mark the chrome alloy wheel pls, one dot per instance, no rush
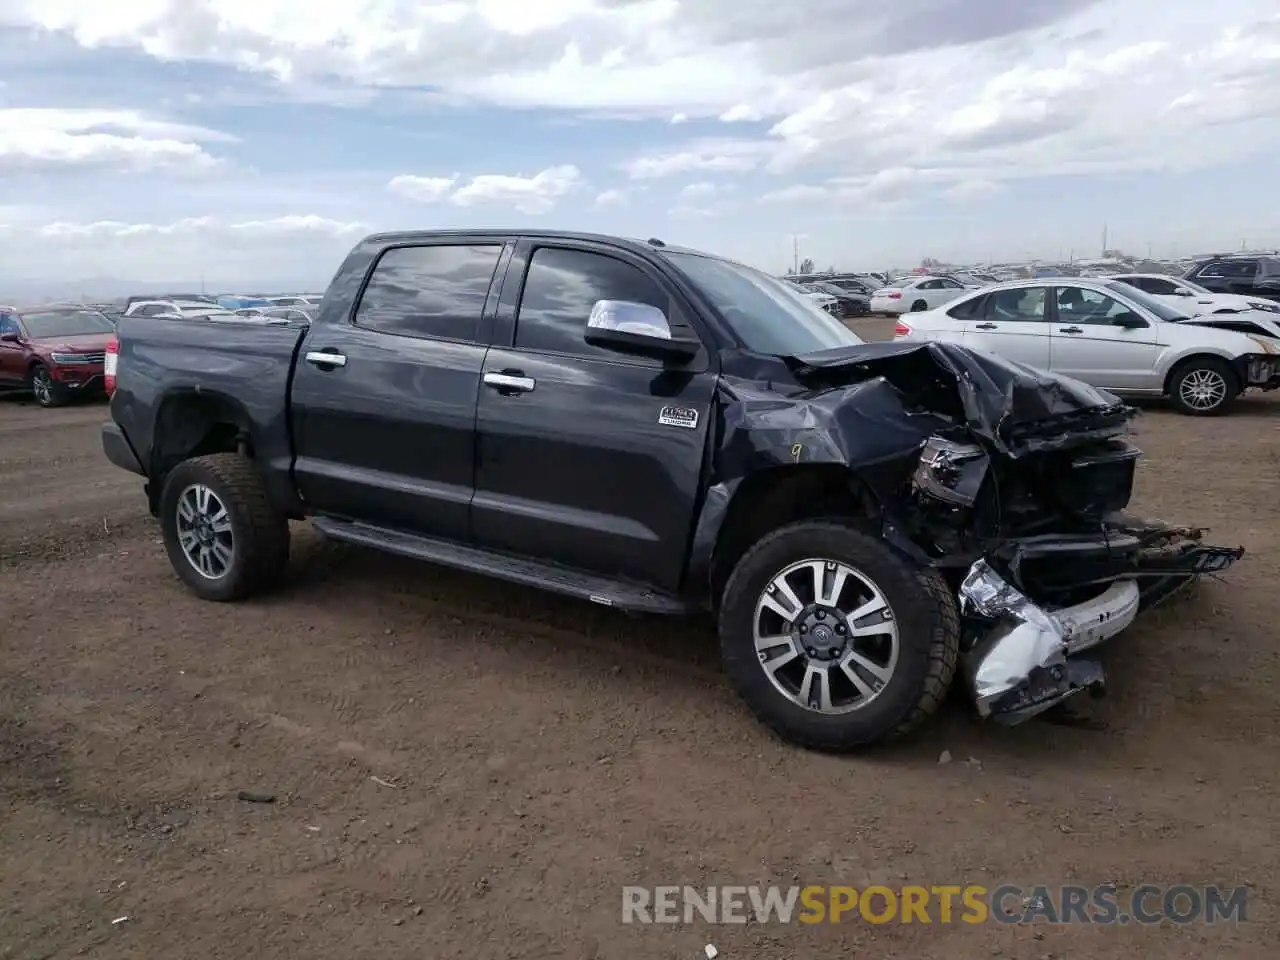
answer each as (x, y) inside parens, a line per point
(42, 386)
(1203, 389)
(826, 636)
(204, 532)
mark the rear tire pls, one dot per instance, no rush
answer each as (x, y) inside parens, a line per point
(921, 611)
(919, 306)
(224, 539)
(1203, 387)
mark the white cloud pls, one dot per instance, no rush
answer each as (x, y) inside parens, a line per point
(724, 156)
(305, 247)
(42, 139)
(423, 189)
(608, 199)
(528, 194)
(201, 227)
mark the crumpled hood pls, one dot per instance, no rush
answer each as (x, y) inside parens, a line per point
(1016, 409)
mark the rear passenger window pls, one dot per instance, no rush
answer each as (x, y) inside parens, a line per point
(436, 291)
(560, 289)
(968, 309)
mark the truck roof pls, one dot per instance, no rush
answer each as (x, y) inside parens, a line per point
(652, 245)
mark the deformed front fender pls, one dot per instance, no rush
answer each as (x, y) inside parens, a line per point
(861, 432)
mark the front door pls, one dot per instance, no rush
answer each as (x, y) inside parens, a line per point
(587, 457)
(385, 432)
(1088, 346)
(1013, 324)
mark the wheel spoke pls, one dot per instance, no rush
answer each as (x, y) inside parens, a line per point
(774, 664)
(779, 593)
(877, 671)
(816, 689)
(828, 582)
(222, 554)
(864, 689)
(202, 500)
(221, 521)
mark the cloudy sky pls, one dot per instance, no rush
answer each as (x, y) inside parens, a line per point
(255, 139)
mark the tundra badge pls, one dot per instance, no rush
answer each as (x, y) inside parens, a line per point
(678, 417)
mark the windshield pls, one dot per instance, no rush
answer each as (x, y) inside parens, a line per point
(65, 323)
(1161, 309)
(1191, 285)
(769, 315)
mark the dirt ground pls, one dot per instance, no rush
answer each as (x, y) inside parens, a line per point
(534, 755)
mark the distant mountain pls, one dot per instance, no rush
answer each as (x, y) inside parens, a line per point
(14, 290)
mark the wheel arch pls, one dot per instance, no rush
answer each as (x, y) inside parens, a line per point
(780, 495)
(1181, 360)
(190, 423)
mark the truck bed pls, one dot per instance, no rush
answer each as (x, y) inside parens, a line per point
(244, 363)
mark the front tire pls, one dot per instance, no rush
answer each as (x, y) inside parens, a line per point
(868, 653)
(1203, 387)
(224, 539)
(44, 388)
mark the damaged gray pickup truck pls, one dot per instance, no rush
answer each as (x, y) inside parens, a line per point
(662, 431)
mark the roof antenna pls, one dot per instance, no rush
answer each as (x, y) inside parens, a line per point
(655, 242)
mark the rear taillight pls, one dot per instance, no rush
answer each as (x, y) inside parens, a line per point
(894, 294)
(900, 329)
(109, 364)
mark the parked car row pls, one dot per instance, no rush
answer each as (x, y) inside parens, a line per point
(1112, 334)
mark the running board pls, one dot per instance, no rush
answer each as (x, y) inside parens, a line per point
(631, 597)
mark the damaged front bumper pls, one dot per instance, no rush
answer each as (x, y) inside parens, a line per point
(1023, 657)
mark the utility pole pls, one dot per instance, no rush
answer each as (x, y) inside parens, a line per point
(1104, 239)
(795, 254)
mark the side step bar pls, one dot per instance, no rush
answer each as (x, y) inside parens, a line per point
(630, 597)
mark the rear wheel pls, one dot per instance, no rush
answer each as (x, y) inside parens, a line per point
(918, 306)
(1203, 387)
(43, 387)
(224, 539)
(834, 640)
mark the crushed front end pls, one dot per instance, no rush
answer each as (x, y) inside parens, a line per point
(1018, 494)
(1050, 564)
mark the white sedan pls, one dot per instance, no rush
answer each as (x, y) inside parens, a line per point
(1113, 336)
(1192, 297)
(912, 294)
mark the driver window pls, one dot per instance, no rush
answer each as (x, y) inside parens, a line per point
(8, 323)
(1020, 305)
(1162, 288)
(1077, 305)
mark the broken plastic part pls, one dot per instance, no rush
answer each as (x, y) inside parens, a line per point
(1021, 662)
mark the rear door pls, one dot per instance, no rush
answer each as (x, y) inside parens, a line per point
(384, 401)
(586, 456)
(1013, 324)
(1089, 346)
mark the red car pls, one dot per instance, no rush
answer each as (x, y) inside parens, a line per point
(55, 352)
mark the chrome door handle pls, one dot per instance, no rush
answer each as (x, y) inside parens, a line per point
(1070, 330)
(507, 382)
(322, 359)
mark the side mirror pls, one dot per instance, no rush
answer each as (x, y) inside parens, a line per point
(9, 337)
(638, 328)
(1129, 320)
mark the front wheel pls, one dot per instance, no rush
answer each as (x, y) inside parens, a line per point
(44, 389)
(224, 539)
(834, 640)
(919, 306)
(1203, 387)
